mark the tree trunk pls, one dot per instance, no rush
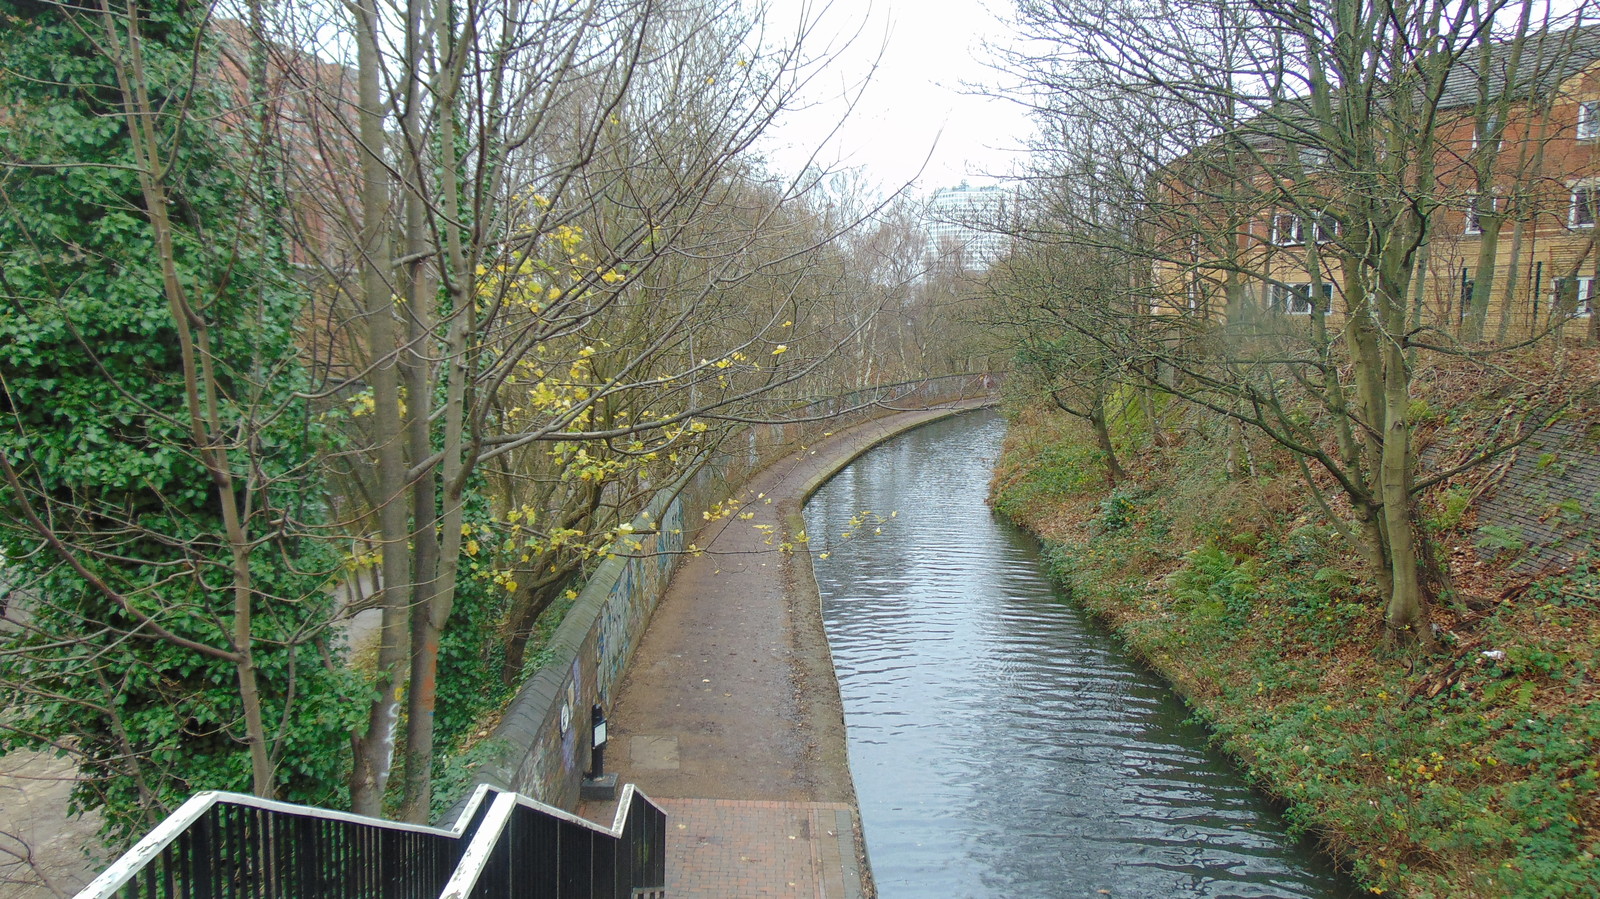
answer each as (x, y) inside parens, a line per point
(1477, 312)
(1374, 547)
(529, 603)
(1403, 613)
(1102, 436)
(1419, 286)
(373, 749)
(206, 426)
(1503, 327)
(457, 459)
(419, 372)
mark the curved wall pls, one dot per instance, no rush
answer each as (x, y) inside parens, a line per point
(544, 735)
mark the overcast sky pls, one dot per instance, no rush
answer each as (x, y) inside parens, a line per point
(914, 104)
(913, 109)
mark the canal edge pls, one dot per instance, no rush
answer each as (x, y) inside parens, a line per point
(811, 636)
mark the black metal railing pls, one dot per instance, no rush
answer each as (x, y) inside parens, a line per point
(523, 851)
(227, 845)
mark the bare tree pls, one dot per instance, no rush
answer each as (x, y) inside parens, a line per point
(1032, 293)
(557, 252)
(1274, 174)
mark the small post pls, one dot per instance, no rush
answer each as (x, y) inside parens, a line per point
(597, 784)
(597, 758)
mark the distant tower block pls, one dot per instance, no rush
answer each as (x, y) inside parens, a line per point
(971, 222)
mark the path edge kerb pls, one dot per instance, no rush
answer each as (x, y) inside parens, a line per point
(858, 882)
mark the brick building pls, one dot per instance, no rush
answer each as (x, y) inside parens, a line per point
(1253, 222)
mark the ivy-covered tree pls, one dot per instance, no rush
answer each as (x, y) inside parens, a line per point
(167, 601)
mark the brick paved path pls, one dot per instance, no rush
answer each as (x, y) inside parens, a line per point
(744, 847)
(729, 715)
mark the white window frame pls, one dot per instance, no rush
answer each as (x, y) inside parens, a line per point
(1472, 224)
(1313, 158)
(1489, 126)
(1296, 226)
(1588, 120)
(1326, 228)
(1585, 197)
(1279, 298)
(1584, 305)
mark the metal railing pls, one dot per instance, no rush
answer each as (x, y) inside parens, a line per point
(227, 845)
(525, 851)
(925, 389)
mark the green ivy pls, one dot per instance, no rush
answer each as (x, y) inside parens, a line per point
(471, 648)
(93, 417)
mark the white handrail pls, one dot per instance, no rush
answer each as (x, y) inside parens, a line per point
(133, 861)
(476, 858)
(479, 851)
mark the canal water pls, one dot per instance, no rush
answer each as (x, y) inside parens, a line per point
(1002, 744)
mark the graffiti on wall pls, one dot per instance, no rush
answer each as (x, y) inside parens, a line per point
(633, 596)
(570, 720)
(671, 541)
(611, 644)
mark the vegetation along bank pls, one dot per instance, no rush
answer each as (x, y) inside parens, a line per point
(1465, 767)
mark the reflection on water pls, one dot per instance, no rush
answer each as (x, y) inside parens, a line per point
(1001, 744)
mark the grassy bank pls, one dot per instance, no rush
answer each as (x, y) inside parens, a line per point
(1471, 771)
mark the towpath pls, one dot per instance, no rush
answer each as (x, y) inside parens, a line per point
(729, 715)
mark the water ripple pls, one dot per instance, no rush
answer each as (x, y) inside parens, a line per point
(1001, 744)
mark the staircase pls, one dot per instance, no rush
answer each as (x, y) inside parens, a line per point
(502, 846)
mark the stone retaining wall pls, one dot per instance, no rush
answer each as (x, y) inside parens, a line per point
(543, 738)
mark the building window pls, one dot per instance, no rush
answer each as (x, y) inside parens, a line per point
(1589, 120)
(1574, 296)
(1313, 158)
(1585, 204)
(1295, 299)
(1327, 228)
(1474, 224)
(1486, 128)
(1287, 230)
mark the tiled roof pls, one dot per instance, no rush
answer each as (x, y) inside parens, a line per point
(1548, 58)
